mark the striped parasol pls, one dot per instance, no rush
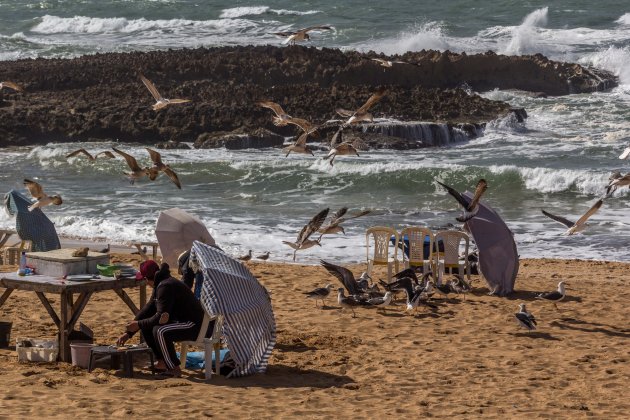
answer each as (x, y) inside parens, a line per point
(33, 225)
(229, 289)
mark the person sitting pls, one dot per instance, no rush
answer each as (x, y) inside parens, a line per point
(189, 276)
(171, 314)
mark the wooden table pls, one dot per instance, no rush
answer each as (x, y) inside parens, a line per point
(140, 246)
(70, 309)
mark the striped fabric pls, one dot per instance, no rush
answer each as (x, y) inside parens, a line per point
(31, 225)
(229, 289)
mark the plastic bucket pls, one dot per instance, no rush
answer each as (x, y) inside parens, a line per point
(80, 353)
(5, 333)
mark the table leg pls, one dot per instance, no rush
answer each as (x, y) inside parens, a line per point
(78, 308)
(125, 298)
(64, 347)
(143, 295)
(8, 292)
(49, 308)
(141, 252)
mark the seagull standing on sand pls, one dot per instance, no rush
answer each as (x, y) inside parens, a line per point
(246, 257)
(264, 256)
(381, 302)
(321, 293)
(42, 198)
(525, 319)
(459, 285)
(580, 225)
(91, 157)
(300, 35)
(159, 166)
(11, 85)
(555, 296)
(345, 276)
(348, 302)
(470, 207)
(136, 171)
(303, 241)
(161, 102)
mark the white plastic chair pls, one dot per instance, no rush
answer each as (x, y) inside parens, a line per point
(382, 243)
(415, 247)
(449, 258)
(209, 344)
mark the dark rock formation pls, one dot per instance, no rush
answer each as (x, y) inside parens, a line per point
(101, 97)
(259, 138)
(170, 145)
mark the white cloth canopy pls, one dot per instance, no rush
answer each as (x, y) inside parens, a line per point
(176, 231)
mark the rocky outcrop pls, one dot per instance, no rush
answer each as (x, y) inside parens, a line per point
(101, 97)
(258, 139)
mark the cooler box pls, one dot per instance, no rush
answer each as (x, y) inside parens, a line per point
(60, 262)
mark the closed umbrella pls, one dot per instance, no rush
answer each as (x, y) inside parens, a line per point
(498, 256)
(176, 231)
(33, 225)
(229, 289)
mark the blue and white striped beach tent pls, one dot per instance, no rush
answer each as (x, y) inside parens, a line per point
(231, 290)
(33, 225)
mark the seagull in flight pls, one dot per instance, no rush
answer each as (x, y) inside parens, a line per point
(555, 296)
(300, 35)
(580, 225)
(42, 198)
(334, 224)
(361, 114)
(282, 118)
(11, 85)
(470, 207)
(345, 276)
(91, 157)
(299, 146)
(321, 293)
(615, 181)
(136, 171)
(525, 319)
(387, 63)
(303, 241)
(161, 101)
(159, 166)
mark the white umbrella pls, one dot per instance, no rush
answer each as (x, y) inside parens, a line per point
(176, 231)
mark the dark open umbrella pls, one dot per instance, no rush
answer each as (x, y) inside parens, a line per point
(229, 289)
(498, 256)
(33, 225)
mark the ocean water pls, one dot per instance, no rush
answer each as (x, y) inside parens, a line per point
(559, 159)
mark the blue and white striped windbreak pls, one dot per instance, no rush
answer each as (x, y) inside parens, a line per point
(33, 225)
(229, 289)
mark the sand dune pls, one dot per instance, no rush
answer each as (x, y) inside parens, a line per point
(466, 359)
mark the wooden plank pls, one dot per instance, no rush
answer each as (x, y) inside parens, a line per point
(143, 295)
(8, 292)
(78, 308)
(125, 298)
(49, 308)
(64, 346)
(47, 284)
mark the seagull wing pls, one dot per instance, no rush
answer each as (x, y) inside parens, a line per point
(34, 188)
(482, 186)
(282, 34)
(460, 198)
(625, 153)
(560, 219)
(590, 212)
(338, 214)
(155, 156)
(312, 28)
(301, 141)
(372, 100)
(344, 112)
(106, 153)
(78, 152)
(151, 87)
(354, 216)
(173, 176)
(131, 161)
(179, 101)
(13, 86)
(312, 226)
(379, 60)
(277, 109)
(344, 275)
(336, 138)
(303, 124)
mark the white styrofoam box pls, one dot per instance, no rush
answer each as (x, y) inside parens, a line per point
(39, 351)
(60, 262)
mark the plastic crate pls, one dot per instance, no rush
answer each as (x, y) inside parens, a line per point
(35, 350)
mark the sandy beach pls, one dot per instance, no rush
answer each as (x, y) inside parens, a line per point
(466, 359)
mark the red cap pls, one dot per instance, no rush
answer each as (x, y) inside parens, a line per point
(148, 269)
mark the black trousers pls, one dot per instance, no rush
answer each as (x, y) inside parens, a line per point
(162, 338)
